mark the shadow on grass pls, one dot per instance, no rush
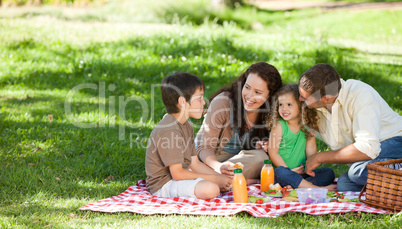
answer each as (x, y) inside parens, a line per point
(82, 159)
(63, 161)
(137, 73)
(244, 17)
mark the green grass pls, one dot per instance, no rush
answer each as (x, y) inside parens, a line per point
(50, 167)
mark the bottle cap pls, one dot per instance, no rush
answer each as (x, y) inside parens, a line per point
(238, 171)
(267, 162)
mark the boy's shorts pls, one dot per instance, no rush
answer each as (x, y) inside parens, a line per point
(182, 188)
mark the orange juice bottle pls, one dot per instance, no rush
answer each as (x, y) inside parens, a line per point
(267, 175)
(239, 187)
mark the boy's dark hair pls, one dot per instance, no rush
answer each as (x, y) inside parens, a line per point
(322, 78)
(176, 85)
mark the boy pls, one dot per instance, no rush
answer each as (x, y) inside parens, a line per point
(171, 163)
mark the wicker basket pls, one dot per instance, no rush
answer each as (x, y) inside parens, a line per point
(384, 186)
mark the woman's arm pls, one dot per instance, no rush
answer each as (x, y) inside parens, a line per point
(210, 136)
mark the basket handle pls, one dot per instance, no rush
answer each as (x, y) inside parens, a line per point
(361, 193)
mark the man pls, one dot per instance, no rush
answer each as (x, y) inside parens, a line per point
(354, 121)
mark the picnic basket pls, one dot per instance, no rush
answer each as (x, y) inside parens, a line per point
(384, 186)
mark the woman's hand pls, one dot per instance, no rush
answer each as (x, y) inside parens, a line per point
(262, 145)
(227, 169)
(299, 169)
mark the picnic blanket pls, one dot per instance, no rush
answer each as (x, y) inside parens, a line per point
(137, 199)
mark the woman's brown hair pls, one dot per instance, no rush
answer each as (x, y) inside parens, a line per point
(266, 72)
(309, 117)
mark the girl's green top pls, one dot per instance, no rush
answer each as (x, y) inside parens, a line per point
(293, 146)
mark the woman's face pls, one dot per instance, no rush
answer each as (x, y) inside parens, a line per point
(254, 93)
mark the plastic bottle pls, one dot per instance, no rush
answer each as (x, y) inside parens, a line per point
(267, 175)
(239, 187)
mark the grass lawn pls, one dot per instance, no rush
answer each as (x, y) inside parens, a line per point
(79, 96)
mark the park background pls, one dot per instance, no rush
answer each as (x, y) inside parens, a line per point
(79, 93)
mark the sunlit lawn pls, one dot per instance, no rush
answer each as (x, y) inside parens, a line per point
(79, 97)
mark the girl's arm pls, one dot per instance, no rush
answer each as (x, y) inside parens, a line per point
(311, 147)
(275, 138)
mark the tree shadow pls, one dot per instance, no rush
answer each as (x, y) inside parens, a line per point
(93, 154)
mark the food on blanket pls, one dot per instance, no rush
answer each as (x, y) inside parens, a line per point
(291, 199)
(312, 195)
(267, 175)
(340, 197)
(293, 193)
(257, 200)
(239, 165)
(356, 200)
(289, 193)
(273, 193)
(333, 194)
(276, 187)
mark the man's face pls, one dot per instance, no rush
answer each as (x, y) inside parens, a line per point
(309, 99)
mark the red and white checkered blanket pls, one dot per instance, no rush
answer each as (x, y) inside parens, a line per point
(137, 199)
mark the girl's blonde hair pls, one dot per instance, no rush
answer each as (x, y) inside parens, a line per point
(309, 117)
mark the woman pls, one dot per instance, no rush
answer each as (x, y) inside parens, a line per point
(236, 121)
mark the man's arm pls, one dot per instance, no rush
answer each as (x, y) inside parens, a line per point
(348, 154)
(311, 147)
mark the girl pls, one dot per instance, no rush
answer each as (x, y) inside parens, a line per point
(290, 144)
(236, 119)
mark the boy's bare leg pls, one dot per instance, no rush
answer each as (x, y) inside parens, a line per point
(206, 190)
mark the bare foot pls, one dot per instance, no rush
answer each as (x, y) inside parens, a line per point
(253, 181)
(307, 184)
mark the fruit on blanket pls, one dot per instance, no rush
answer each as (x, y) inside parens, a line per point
(256, 199)
(285, 193)
(276, 187)
(340, 197)
(293, 193)
(290, 195)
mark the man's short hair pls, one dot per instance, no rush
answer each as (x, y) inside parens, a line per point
(322, 78)
(176, 85)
